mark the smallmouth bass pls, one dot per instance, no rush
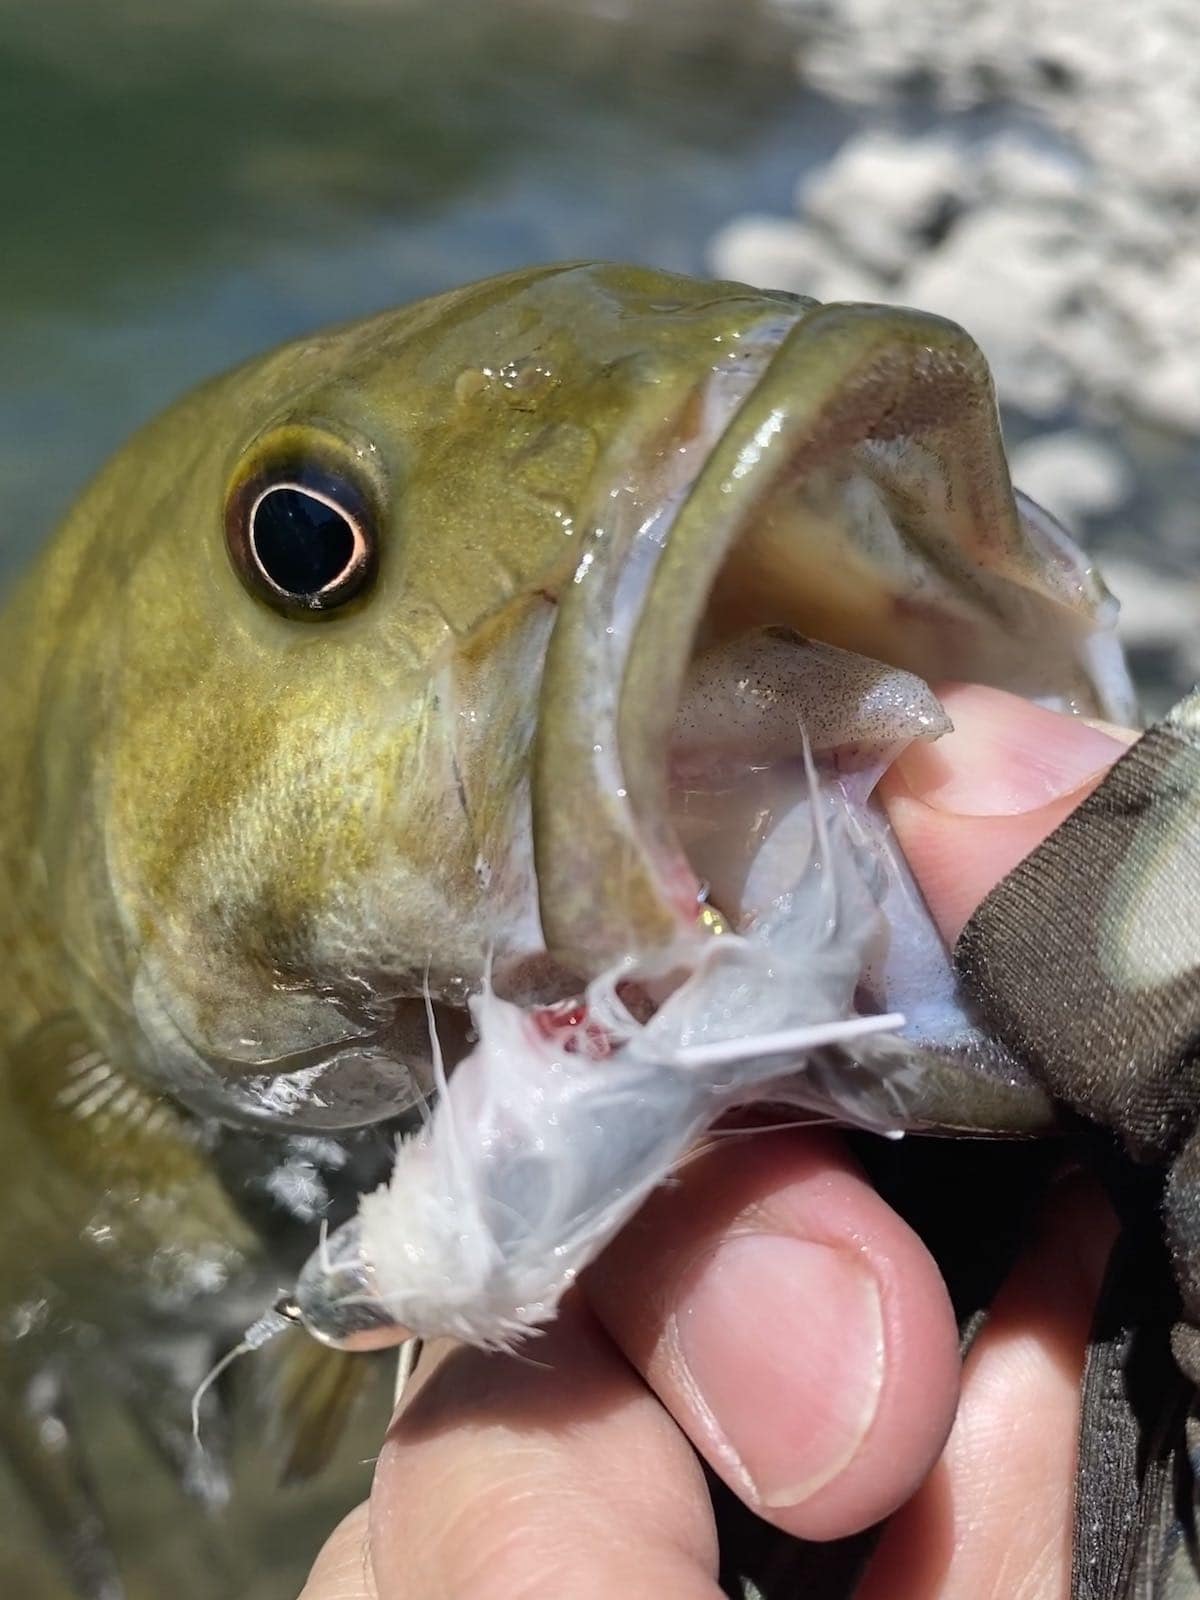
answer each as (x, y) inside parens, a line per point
(489, 647)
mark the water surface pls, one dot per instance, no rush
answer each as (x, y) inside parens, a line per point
(186, 184)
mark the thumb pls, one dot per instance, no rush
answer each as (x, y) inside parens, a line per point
(967, 808)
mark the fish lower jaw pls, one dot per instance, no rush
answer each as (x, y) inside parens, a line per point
(562, 1118)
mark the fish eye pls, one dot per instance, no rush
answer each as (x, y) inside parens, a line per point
(301, 538)
(303, 542)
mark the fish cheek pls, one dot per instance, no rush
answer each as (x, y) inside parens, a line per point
(289, 912)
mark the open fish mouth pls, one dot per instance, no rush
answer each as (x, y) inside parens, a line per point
(722, 697)
(876, 518)
(741, 655)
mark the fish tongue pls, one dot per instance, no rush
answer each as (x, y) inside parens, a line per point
(758, 696)
(769, 721)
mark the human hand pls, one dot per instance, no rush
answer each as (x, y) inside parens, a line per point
(769, 1308)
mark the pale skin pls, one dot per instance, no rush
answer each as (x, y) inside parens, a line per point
(776, 1316)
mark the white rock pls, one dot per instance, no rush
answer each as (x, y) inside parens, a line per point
(1006, 274)
(1157, 609)
(776, 254)
(769, 251)
(1012, 165)
(1077, 263)
(1072, 473)
(879, 195)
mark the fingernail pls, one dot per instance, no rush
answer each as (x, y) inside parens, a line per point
(1004, 756)
(790, 1414)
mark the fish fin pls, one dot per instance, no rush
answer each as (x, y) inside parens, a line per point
(39, 1448)
(123, 1210)
(314, 1392)
(121, 1163)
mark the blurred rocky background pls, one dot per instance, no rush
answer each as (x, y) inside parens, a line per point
(185, 184)
(1030, 168)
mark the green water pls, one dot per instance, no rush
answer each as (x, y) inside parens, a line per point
(184, 183)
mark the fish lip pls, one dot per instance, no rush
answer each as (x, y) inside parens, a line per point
(579, 699)
(615, 664)
(355, 1080)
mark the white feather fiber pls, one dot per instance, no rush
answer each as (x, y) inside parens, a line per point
(535, 1158)
(548, 1137)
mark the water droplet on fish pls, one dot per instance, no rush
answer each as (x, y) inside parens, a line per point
(561, 510)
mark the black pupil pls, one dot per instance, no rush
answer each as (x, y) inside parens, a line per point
(302, 544)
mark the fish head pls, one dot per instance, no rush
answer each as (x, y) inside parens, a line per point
(731, 669)
(301, 627)
(493, 641)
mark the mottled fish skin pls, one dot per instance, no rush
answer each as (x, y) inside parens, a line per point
(252, 824)
(238, 847)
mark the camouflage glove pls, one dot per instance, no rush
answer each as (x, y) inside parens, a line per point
(1086, 961)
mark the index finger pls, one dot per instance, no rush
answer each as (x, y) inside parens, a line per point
(548, 1473)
